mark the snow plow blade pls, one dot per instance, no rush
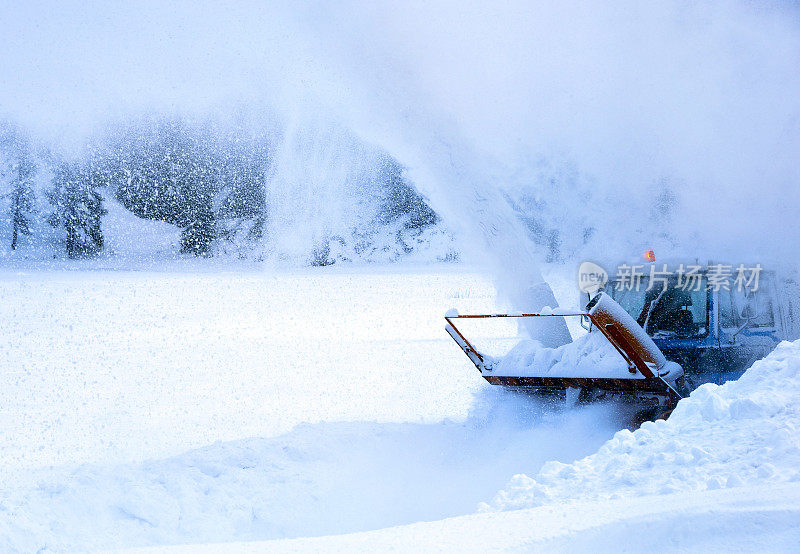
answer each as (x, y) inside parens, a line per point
(649, 380)
(655, 386)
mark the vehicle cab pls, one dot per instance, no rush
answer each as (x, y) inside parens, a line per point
(714, 331)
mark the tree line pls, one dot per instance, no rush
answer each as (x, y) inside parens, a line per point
(210, 182)
(71, 202)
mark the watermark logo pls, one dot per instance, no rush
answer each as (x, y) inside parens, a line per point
(591, 277)
(689, 277)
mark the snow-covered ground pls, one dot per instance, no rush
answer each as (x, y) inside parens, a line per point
(251, 411)
(149, 408)
(720, 475)
(763, 519)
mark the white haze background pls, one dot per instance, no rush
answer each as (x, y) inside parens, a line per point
(627, 125)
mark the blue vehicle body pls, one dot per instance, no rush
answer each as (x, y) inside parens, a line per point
(729, 331)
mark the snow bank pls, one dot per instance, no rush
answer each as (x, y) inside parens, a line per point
(744, 432)
(321, 479)
(589, 355)
(740, 520)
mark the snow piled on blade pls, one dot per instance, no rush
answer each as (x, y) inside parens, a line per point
(588, 356)
(741, 433)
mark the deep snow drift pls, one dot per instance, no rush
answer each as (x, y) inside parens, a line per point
(744, 432)
(741, 520)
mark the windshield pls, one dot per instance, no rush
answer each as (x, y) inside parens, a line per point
(672, 312)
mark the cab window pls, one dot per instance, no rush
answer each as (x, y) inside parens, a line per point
(671, 312)
(746, 307)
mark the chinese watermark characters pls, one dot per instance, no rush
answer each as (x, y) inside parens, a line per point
(688, 277)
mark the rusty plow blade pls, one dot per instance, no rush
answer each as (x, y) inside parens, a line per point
(646, 378)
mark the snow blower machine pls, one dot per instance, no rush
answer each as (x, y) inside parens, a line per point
(647, 347)
(616, 361)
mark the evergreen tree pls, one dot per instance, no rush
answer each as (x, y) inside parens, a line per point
(242, 196)
(201, 228)
(168, 171)
(401, 200)
(23, 199)
(78, 209)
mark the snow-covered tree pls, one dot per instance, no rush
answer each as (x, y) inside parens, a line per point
(400, 200)
(78, 209)
(200, 228)
(23, 198)
(17, 171)
(241, 199)
(210, 183)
